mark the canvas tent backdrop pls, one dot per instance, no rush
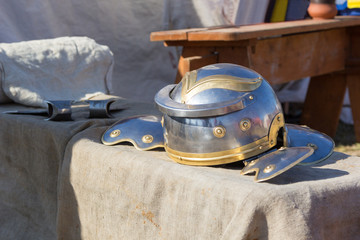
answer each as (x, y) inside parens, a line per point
(141, 67)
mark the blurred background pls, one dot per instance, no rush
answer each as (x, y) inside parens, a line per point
(143, 67)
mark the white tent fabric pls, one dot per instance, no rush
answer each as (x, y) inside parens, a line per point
(141, 67)
(209, 13)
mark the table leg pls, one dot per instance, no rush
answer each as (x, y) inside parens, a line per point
(353, 83)
(353, 76)
(193, 58)
(323, 102)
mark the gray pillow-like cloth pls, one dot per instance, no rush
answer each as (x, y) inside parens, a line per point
(65, 68)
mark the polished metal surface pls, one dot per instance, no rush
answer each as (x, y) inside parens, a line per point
(271, 165)
(210, 91)
(322, 144)
(144, 132)
(225, 114)
(172, 108)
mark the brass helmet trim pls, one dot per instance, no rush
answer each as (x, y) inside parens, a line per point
(221, 157)
(231, 155)
(191, 87)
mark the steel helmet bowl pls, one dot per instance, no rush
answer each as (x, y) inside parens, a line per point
(219, 114)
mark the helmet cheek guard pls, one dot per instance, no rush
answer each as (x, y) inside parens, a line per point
(224, 113)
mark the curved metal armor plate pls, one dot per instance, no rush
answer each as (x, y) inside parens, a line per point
(322, 144)
(144, 132)
(276, 162)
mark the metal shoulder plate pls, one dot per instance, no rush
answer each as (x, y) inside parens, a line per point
(276, 162)
(144, 132)
(301, 136)
(304, 146)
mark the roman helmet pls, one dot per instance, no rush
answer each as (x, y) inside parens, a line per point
(224, 113)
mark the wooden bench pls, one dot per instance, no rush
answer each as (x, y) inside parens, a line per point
(326, 50)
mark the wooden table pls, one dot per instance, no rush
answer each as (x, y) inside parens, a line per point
(326, 50)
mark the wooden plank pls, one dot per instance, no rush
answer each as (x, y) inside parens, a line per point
(271, 29)
(293, 57)
(178, 35)
(323, 102)
(235, 33)
(240, 43)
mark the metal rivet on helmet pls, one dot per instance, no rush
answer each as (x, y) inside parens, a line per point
(252, 162)
(219, 131)
(245, 124)
(115, 133)
(147, 139)
(269, 168)
(312, 145)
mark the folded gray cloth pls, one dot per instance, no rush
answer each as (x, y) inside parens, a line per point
(63, 68)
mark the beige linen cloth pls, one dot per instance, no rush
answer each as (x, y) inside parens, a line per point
(64, 68)
(31, 155)
(118, 192)
(59, 182)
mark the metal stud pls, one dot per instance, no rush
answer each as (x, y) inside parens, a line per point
(115, 133)
(269, 168)
(147, 139)
(219, 131)
(245, 124)
(252, 162)
(312, 145)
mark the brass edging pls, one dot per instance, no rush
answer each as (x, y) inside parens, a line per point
(277, 123)
(232, 155)
(191, 87)
(256, 170)
(133, 142)
(221, 157)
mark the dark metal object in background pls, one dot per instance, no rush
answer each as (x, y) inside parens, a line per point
(59, 110)
(63, 110)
